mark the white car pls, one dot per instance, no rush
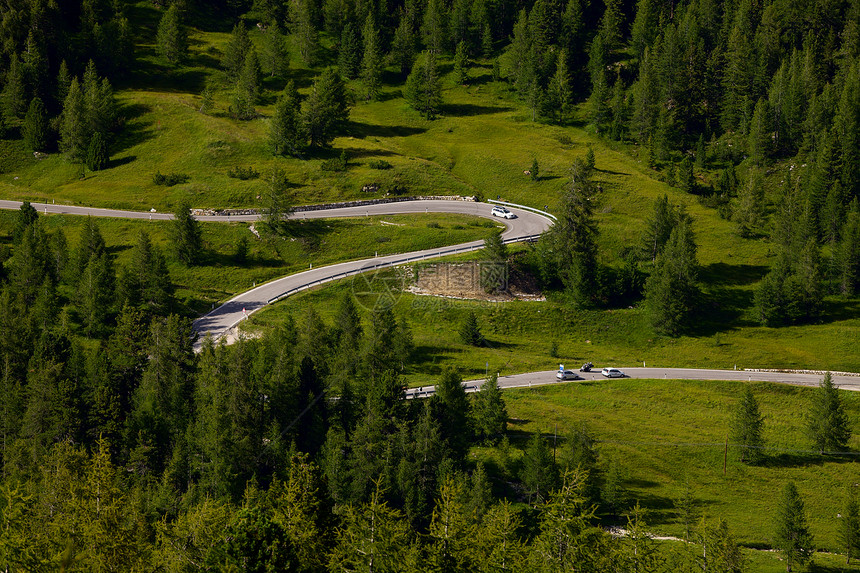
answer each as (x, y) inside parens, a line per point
(613, 373)
(566, 375)
(502, 212)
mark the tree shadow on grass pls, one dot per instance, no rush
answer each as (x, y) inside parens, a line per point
(121, 161)
(213, 259)
(468, 109)
(736, 275)
(362, 130)
(135, 131)
(804, 459)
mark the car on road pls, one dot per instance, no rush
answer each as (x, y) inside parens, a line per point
(613, 373)
(566, 375)
(502, 212)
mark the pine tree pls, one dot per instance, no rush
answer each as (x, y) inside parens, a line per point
(495, 250)
(326, 109)
(187, 236)
(572, 242)
(470, 332)
(461, 64)
(172, 37)
(686, 179)
(849, 252)
(720, 551)
(403, 46)
(14, 91)
(638, 550)
(35, 128)
(433, 27)
(671, 291)
(539, 471)
(371, 63)
(349, 52)
(423, 90)
(489, 413)
(304, 31)
(791, 532)
(73, 127)
(248, 87)
(559, 96)
(286, 134)
(759, 144)
(277, 56)
(579, 455)
(748, 210)
(276, 203)
(235, 52)
(849, 530)
(97, 153)
(658, 227)
(64, 82)
(450, 407)
(746, 429)
(826, 421)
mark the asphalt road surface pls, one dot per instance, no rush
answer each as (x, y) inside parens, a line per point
(547, 377)
(221, 320)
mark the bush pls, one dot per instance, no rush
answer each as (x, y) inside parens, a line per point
(434, 225)
(243, 173)
(170, 179)
(335, 164)
(378, 164)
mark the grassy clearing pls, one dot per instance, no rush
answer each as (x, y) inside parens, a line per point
(520, 335)
(665, 434)
(321, 242)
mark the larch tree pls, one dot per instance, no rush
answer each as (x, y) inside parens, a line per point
(371, 62)
(489, 412)
(849, 529)
(73, 127)
(423, 89)
(791, 534)
(671, 291)
(746, 427)
(826, 422)
(187, 235)
(172, 37)
(36, 128)
(349, 52)
(248, 87)
(286, 132)
(326, 109)
(235, 52)
(277, 56)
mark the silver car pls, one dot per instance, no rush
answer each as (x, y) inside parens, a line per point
(566, 375)
(613, 373)
(502, 212)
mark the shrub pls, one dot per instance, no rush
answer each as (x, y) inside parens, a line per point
(243, 173)
(335, 164)
(170, 179)
(378, 164)
(434, 225)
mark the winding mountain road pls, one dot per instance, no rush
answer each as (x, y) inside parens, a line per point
(217, 323)
(527, 225)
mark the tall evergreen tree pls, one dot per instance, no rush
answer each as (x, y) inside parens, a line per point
(572, 241)
(461, 64)
(97, 153)
(403, 45)
(539, 473)
(451, 408)
(187, 235)
(433, 28)
(791, 532)
(235, 52)
(172, 37)
(35, 128)
(73, 126)
(304, 30)
(371, 63)
(826, 421)
(248, 87)
(277, 56)
(349, 52)
(423, 90)
(489, 412)
(849, 530)
(670, 291)
(746, 427)
(326, 109)
(14, 91)
(286, 132)
(470, 332)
